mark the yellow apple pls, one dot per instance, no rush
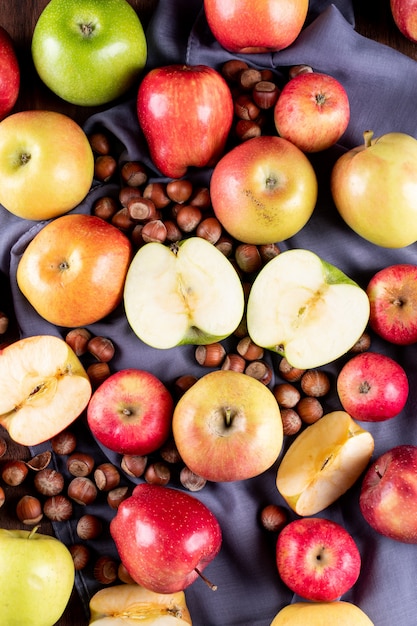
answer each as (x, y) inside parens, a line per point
(374, 188)
(46, 164)
(323, 462)
(338, 613)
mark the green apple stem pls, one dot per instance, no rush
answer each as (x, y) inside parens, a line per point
(33, 531)
(367, 136)
(206, 580)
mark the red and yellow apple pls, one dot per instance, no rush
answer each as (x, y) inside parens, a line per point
(9, 74)
(73, 271)
(404, 16)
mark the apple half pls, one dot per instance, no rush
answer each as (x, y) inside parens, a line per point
(323, 462)
(43, 388)
(187, 293)
(130, 604)
(306, 309)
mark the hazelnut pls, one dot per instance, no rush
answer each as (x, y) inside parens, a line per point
(101, 348)
(4, 323)
(39, 461)
(234, 362)
(245, 108)
(129, 194)
(268, 251)
(274, 517)
(232, 69)
(173, 232)
(225, 245)
(82, 490)
(133, 174)
(188, 217)
(295, 70)
(248, 258)
(248, 349)
(106, 476)
(80, 464)
(179, 190)
(154, 230)
(77, 339)
(265, 94)
(142, 209)
(58, 508)
(201, 198)
(247, 129)
(105, 208)
(80, 555)
(315, 383)
(362, 345)
(64, 442)
(291, 422)
(286, 394)
(210, 355)
(123, 220)
(169, 451)
(209, 229)
(288, 372)
(133, 465)
(309, 409)
(98, 373)
(260, 370)
(49, 482)
(2, 496)
(124, 576)
(116, 496)
(191, 481)
(29, 510)
(89, 527)
(105, 570)
(184, 382)
(3, 446)
(14, 472)
(157, 193)
(157, 473)
(249, 77)
(105, 167)
(100, 143)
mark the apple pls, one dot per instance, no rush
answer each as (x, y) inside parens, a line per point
(374, 189)
(252, 26)
(9, 74)
(312, 111)
(317, 559)
(36, 577)
(264, 190)
(46, 164)
(298, 305)
(43, 388)
(228, 426)
(186, 293)
(165, 537)
(372, 387)
(186, 113)
(129, 603)
(319, 613)
(73, 270)
(388, 497)
(323, 462)
(131, 412)
(89, 52)
(404, 15)
(392, 293)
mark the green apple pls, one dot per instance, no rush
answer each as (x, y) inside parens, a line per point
(306, 309)
(89, 52)
(36, 578)
(187, 293)
(374, 188)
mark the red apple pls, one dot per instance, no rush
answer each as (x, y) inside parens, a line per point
(131, 412)
(9, 74)
(165, 537)
(312, 111)
(250, 26)
(388, 497)
(404, 15)
(392, 294)
(372, 387)
(186, 113)
(317, 559)
(73, 271)
(263, 190)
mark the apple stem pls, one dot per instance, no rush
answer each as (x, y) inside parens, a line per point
(378, 473)
(206, 580)
(33, 531)
(368, 135)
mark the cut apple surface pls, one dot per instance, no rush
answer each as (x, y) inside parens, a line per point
(306, 309)
(323, 462)
(43, 388)
(130, 604)
(181, 294)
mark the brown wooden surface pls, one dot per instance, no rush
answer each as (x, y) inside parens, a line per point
(18, 17)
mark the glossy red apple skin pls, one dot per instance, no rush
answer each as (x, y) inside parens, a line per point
(317, 558)
(388, 497)
(131, 412)
(372, 387)
(404, 15)
(312, 111)
(186, 113)
(9, 74)
(162, 536)
(392, 294)
(251, 26)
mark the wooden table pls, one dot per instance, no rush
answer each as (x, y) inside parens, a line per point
(373, 20)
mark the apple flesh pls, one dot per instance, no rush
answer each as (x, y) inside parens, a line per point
(374, 188)
(46, 164)
(73, 271)
(131, 412)
(253, 26)
(187, 293)
(297, 306)
(36, 577)
(129, 603)
(321, 613)
(323, 462)
(372, 387)
(264, 190)
(392, 293)
(312, 111)
(186, 113)
(404, 16)
(43, 388)
(388, 497)
(9, 74)
(317, 559)
(165, 537)
(228, 427)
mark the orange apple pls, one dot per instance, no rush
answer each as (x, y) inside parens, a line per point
(73, 271)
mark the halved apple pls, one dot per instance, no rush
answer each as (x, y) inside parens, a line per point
(306, 309)
(181, 294)
(323, 462)
(130, 604)
(43, 388)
